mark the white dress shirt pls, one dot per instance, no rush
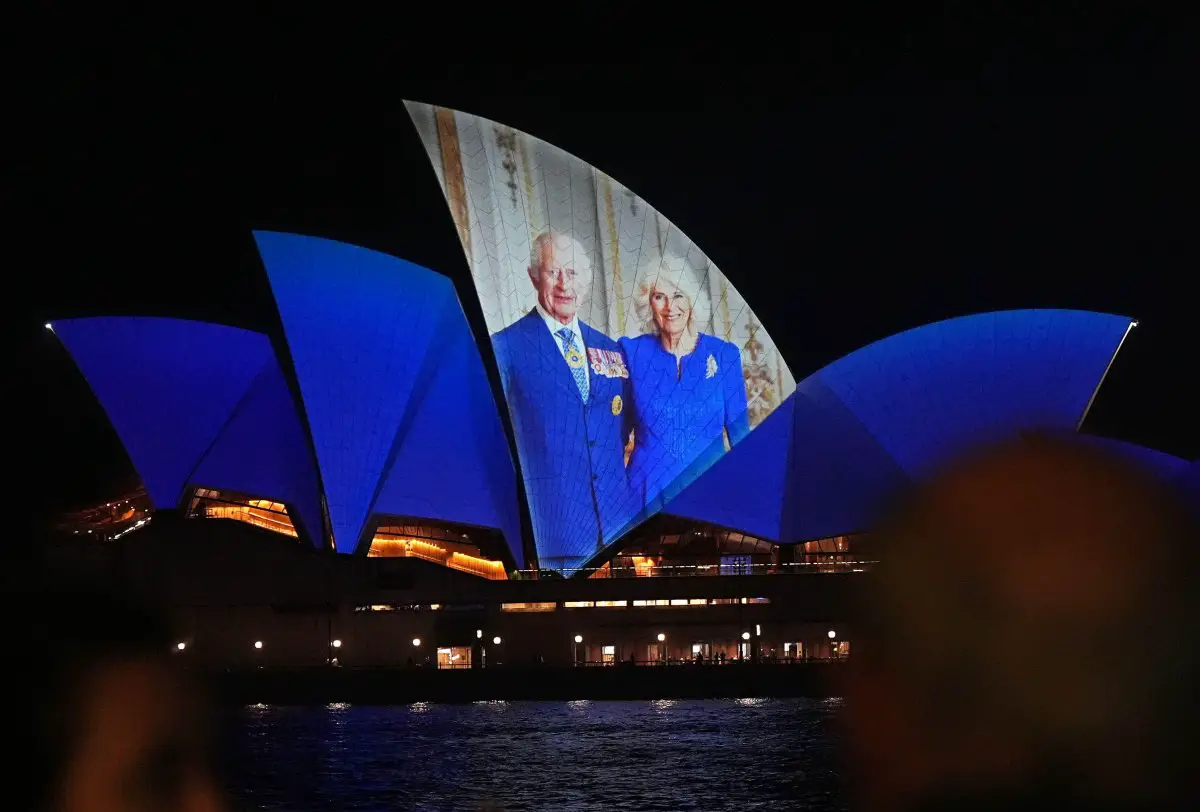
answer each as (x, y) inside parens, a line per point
(554, 325)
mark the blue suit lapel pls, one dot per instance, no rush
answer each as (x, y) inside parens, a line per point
(544, 347)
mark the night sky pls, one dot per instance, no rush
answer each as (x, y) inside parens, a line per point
(867, 188)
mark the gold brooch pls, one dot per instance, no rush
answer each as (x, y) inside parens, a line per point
(712, 367)
(574, 358)
(617, 405)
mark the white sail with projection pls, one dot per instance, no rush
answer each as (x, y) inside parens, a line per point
(629, 362)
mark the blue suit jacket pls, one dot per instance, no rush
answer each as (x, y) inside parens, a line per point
(572, 453)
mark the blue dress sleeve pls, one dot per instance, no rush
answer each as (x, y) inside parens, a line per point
(733, 385)
(629, 415)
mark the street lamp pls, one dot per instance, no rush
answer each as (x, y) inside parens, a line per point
(578, 638)
(662, 648)
(745, 635)
(575, 650)
(336, 644)
(479, 634)
(832, 634)
(258, 644)
(496, 641)
(416, 642)
(180, 646)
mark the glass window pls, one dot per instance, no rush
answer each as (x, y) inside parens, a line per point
(735, 565)
(454, 657)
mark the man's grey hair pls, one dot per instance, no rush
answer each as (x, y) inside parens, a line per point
(671, 270)
(561, 241)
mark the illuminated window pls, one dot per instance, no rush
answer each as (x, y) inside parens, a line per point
(436, 545)
(208, 503)
(676, 602)
(579, 604)
(826, 554)
(609, 654)
(735, 564)
(643, 567)
(389, 607)
(454, 657)
(528, 607)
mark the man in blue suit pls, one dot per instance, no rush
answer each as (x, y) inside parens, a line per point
(567, 387)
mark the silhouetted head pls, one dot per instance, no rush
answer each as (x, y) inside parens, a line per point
(107, 721)
(1028, 633)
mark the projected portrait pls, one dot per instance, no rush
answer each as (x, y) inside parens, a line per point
(628, 361)
(689, 395)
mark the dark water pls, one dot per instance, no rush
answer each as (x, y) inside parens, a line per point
(666, 755)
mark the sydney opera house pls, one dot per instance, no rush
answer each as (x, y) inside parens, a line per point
(626, 470)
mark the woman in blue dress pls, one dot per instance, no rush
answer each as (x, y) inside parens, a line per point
(689, 397)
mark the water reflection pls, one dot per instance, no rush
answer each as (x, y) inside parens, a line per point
(493, 704)
(682, 755)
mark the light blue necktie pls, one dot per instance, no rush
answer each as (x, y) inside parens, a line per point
(579, 372)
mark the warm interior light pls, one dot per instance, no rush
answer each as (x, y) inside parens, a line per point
(257, 512)
(643, 567)
(388, 547)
